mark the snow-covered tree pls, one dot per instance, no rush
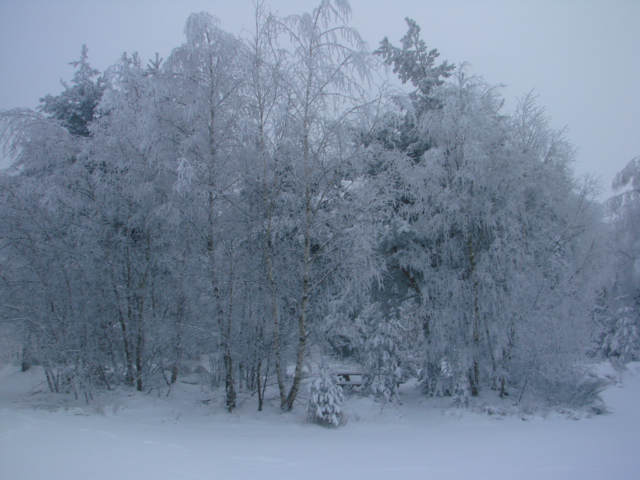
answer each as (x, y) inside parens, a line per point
(44, 286)
(622, 327)
(328, 200)
(325, 401)
(413, 63)
(502, 241)
(203, 80)
(76, 106)
(381, 336)
(622, 342)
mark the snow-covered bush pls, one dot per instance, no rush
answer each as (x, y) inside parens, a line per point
(444, 379)
(573, 389)
(623, 340)
(325, 401)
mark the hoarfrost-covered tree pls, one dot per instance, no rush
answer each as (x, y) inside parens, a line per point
(332, 202)
(43, 283)
(382, 336)
(484, 208)
(76, 106)
(133, 184)
(43, 205)
(204, 81)
(622, 331)
(416, 64)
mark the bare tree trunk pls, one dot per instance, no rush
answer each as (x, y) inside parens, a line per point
(139, 353)
(302, 314)
(474, 373)
(275, 316)
(229, 380)
(259, 385)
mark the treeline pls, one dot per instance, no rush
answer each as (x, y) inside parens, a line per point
(265, 202)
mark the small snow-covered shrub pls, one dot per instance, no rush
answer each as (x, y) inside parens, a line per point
(573, 389)
(325, 401)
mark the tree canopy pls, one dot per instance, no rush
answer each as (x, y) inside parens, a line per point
(254, 207)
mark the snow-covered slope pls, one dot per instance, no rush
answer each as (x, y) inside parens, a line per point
(141, 437)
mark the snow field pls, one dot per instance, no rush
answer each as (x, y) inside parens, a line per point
(178, 437)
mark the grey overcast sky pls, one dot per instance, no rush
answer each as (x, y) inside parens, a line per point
(581, 57)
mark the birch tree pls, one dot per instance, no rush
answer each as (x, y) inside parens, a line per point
(332, 198)
(204, 81)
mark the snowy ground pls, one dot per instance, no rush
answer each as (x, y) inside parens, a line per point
(141, 437)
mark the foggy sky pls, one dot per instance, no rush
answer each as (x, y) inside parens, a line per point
(581, 57)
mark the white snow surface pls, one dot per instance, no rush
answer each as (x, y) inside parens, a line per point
(123, 436)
